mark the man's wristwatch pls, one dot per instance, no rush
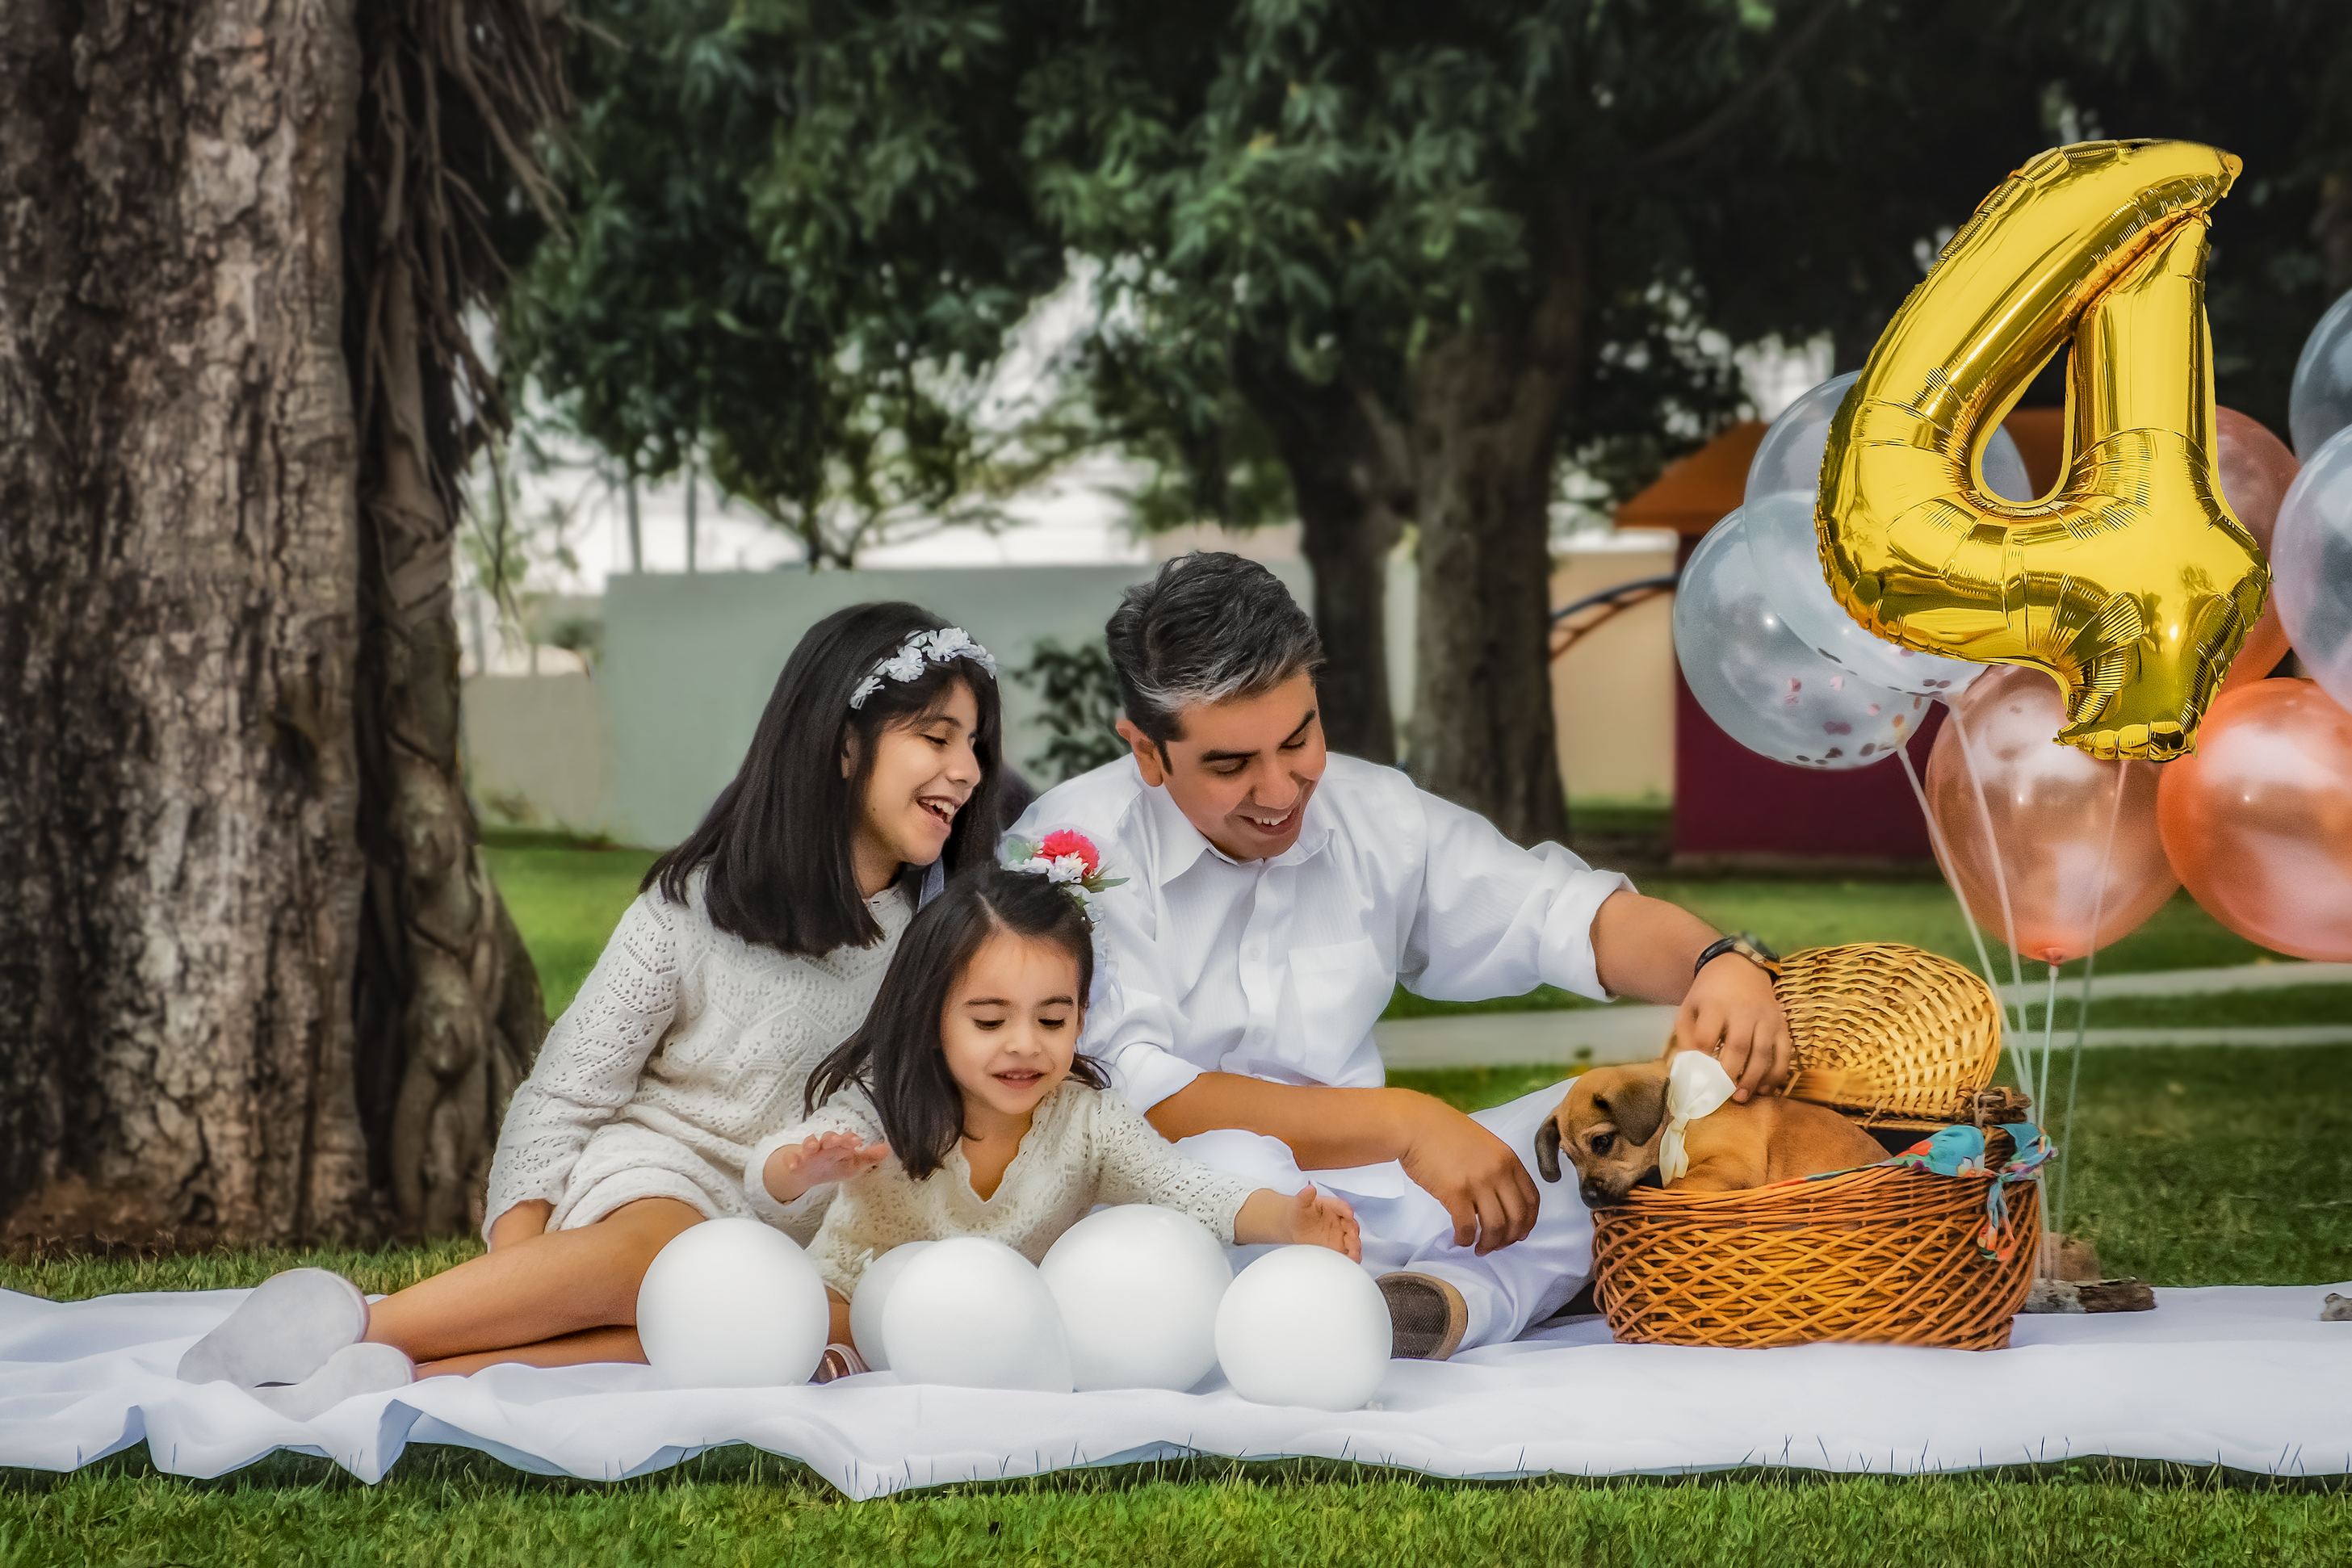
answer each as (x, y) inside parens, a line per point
(1750, 948)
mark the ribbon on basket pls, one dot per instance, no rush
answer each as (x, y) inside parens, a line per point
(1960, 1151)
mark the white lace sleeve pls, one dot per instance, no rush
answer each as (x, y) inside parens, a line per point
(588, 1069)
(847, 1111)
(1134, 1165)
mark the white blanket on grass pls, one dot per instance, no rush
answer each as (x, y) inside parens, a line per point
(2241, 1377)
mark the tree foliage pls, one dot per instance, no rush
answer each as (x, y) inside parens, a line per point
(786, 260)
(1378, 262)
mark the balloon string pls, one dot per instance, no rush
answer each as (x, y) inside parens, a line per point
(1944, 864)
(2019, 1051)
(2083, 1011)
(2049, 1027)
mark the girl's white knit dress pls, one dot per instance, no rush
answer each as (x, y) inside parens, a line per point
(682, 1049)
(1084, 1147)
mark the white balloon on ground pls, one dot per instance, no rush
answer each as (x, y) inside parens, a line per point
(866, 1302)
(1302, 1325)
(974, 1313)
(2311, 566)
(732, 1303)
(1764, 685)
(1139, 1287)
(2319, 399)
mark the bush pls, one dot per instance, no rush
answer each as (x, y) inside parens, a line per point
(1081, 693)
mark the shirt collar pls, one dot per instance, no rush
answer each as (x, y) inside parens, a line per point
(1179, 844)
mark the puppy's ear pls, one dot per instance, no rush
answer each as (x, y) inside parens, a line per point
(1637, 1104)
(1547, 1150)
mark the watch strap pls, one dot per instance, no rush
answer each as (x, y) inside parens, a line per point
(1746, 945)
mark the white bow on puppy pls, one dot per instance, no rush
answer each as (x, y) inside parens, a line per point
(1695, 1086)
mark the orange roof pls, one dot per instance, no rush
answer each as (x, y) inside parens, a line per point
(2040, 438)
(1695, 492)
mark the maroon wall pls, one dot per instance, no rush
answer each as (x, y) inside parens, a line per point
(1730, 801)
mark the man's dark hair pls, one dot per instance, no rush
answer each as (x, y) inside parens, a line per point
(895, 1056)
(1207, 627)
(778, 840)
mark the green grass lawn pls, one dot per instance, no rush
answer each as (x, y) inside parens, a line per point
(565, 900)
(444, 1509)
(2216, 1165)
(1794, 915)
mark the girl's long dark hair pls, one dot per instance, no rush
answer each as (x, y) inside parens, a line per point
(895, 1056)
(777, 840)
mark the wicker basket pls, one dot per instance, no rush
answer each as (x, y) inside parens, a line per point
(1923, 1031)
(1888, 1254)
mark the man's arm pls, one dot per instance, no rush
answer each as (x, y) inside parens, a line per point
(1645, 947)
(1478, 1177)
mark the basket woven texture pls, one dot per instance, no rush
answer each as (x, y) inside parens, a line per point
(1921, 1034)
(1888, 1254)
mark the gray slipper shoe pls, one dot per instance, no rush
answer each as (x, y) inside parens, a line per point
(352, 1371)
(283, 1333)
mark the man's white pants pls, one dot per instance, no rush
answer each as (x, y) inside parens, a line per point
(1404, 1228)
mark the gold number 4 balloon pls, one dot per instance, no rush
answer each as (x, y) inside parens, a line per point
(2133, 584)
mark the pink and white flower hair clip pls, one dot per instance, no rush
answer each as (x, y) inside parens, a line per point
(1066, 856)
(942, 646)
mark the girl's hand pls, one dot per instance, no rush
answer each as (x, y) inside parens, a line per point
(822, 1158)
(1324, 1219)
(1314, 1218)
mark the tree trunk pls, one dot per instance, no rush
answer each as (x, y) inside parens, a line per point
(449, 1007)
(177, 584)
(1484, 402)
(229, 677)
(1347, 472)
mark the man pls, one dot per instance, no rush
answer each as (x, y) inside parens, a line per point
(1276, 894)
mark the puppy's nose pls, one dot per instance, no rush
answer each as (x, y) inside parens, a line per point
(1594, 1194)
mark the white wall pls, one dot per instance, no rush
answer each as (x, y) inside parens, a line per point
(689, 660)
(538, 751)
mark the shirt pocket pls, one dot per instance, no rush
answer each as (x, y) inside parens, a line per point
(1338, 991)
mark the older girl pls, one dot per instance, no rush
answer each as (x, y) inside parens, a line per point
(753, 949)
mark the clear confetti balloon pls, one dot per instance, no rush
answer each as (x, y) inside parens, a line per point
(2310, 566)
(1765, 686)
(2319, 401)
(1789, 456)
(1781, 536)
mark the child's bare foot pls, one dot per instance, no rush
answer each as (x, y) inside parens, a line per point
(1324, 1219)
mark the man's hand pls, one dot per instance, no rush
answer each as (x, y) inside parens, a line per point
(1732, 1012)
(1474, 1174)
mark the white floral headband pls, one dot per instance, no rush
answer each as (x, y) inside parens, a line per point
(942, 646)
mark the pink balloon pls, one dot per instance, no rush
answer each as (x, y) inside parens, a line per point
(2081, 863)
(2258, 818)
(2256, 469)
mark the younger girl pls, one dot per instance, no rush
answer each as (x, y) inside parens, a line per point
(961, 1107)
(754, 948)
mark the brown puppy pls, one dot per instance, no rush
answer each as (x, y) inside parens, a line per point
(1613, 1119)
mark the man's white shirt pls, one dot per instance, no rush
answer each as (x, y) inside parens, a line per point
(1278, 968)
